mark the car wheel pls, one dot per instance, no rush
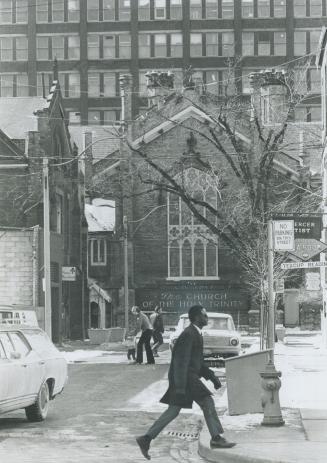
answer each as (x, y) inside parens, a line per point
(39, 410)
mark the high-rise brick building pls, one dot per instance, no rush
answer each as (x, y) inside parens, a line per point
(97, 40)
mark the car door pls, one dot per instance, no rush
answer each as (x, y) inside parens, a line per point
(13, 375)
(30, 361)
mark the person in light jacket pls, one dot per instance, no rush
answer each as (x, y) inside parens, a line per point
(185, 386)
(143, 325)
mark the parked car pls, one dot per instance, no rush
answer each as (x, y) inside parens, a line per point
(220, 339)
(18, 315)
(32, 370)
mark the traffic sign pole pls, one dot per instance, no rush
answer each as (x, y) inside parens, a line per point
(271, 308)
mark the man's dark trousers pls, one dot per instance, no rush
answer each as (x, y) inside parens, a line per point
(144, 339)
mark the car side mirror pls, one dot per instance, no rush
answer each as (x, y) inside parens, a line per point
(15, 355)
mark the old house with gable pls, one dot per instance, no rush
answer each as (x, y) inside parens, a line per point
(32, 129)
(175, 260)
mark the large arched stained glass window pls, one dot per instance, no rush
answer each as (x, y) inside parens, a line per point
(192, 247)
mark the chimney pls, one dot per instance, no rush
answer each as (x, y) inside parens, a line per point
(125, 81)
(269, 96)
(159, 85)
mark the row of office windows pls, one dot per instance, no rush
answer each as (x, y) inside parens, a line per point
(105, 84)
(47, 11)
(162, 45)
(96, 117)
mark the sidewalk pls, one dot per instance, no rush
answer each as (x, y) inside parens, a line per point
(301, 440)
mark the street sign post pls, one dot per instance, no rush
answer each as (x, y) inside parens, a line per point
(283, 235)
(296, 265)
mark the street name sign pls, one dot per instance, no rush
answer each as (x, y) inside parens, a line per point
(283, 235)
(307, 248)
(306, 226)
(295, 265)
(68, 273)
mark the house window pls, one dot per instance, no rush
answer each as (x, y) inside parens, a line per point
(58, 47)
(109, 84)
(21, 49)
(22, 85)
(227, 43)
(5, 12)
(109, 47)
(192, 248)
(93, 49)
(263, 44)
(176, 45)
(315, 113)
(196, 9)
(314, 80)
(124, 46)
(279, 43)
(21, 11)
(212, 48)
(300, 43)
(159, 9)
(248, 43)
(211, 9)
(144, 45)
(7, 85)
(94, 117)
(144, 10)
(42, 11)
(74, 118)
(316, 8)
(196, 45)
(300, 114)
(160, 45)
(94, 84)
(300, 8)
(109, 117)
(279, 8)
(73, 10)
(176, 11)
(93, 10)
(227, 9)
(58, 14)
(247, 8)
(220, 82)
(263, 8)
(73, 86)
(6, 48)
(98, 251)
(108, 10)
(124, 10)
(73, 47)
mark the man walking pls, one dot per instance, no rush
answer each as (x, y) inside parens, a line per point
(186, 368)
(158, 328)
(145, 327)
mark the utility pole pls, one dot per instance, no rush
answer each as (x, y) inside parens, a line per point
(126, 272)
(47, 258)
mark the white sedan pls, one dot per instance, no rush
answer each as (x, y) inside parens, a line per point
(220, 339)
(32, 371)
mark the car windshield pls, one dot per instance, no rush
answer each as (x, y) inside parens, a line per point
(222, 323)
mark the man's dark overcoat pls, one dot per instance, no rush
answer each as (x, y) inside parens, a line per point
(186, 368)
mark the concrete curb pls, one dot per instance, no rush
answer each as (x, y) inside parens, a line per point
(264, 452)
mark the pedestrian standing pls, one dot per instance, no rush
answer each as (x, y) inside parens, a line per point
(143, 325)
(185, 386)
(158, 329)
